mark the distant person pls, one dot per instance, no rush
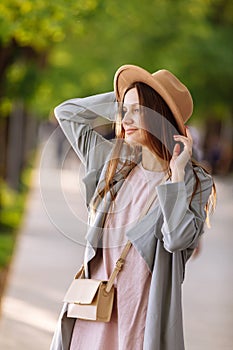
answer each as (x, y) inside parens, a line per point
(197, 145)
(149, 166)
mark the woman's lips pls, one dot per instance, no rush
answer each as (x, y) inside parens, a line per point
(130, 131)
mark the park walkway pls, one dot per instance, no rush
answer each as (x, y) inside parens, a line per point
(45, 261)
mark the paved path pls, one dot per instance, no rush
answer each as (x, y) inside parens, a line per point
(45, 261)
(208, 287)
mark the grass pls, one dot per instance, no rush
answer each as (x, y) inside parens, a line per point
(12, 205)
(7, 242)
(11, 214)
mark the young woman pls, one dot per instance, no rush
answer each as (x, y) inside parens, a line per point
(149, 162)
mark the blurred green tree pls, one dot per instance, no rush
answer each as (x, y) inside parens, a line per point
(28, 31)
(191, 38)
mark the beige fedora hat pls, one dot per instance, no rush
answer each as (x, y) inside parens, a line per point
(170, 88)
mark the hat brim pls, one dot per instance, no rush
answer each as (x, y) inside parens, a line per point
(128, 74)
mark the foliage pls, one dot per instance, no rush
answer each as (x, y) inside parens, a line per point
(28, 30)
(7, 243)
(11, 214)
(82, 43)
(39, 23)
(191, 38)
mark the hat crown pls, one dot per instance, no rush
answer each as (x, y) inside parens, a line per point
(177, 91)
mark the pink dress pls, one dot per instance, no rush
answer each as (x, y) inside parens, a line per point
(125, 331)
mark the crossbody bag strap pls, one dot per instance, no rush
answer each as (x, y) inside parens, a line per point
(120, 262)
(80, 273)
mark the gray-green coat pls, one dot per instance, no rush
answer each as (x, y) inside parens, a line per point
(165, 237)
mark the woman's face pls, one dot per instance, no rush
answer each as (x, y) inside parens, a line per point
(132, 119)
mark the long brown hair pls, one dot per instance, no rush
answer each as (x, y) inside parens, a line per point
(159, 126)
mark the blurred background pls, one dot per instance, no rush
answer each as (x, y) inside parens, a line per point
(52, 51)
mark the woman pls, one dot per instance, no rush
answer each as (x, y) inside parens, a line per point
(149, 162)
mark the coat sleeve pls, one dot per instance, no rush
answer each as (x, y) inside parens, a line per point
(183, 222)
(76, 116)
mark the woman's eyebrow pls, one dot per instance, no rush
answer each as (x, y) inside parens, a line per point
(131, 104)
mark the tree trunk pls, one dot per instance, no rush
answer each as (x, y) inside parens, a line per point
(3, 146)
(15, 145)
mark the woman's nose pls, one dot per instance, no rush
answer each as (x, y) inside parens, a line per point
(127, 118)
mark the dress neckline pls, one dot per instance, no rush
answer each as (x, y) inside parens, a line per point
(150, 173)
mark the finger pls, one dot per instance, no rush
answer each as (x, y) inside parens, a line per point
(176, 151)
(180, 137)
(185, 140)
(189, 136)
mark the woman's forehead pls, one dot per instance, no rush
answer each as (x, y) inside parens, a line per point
(131, 97)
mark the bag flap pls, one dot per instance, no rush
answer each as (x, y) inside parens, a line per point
(82, 291)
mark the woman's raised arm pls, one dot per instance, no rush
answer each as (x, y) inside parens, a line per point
(76, 116)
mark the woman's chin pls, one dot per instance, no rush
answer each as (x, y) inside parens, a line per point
(131, 141)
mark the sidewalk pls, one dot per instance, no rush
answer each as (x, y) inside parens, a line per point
(208, 286)
(45, 261)
(44, 264)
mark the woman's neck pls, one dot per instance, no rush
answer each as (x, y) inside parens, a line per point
(152, 162)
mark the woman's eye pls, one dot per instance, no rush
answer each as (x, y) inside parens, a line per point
(124, 111)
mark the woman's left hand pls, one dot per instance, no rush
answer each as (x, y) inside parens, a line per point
(180, 159)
